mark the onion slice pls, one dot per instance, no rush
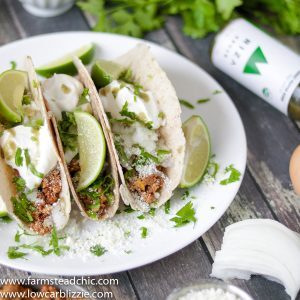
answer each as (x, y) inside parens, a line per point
(260, 246)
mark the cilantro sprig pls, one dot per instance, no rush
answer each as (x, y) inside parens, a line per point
(234, 175)
(97, 250)
(185, 215)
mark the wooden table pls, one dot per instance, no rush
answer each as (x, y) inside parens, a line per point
(266, 189)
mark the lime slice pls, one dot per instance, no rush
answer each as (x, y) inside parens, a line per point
(104, 72)
(12, 87)
(197, 151)
(92, 148)
(65, 65)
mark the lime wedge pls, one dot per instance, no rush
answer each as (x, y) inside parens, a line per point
(92, 148)
(64, 65)
(12, 87)
(197, 151)
(104, 72)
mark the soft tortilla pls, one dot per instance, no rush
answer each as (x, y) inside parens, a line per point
(8, 189)
(87, 82)
(147, 72)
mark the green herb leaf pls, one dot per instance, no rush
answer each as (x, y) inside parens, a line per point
(167, 207)
(32, 168)
(204, 100)
(234, 175)
(23, 208)
(185, 215)
(152, 212)
(18, 236)
(185, 195)
(186, 104)
(13, 65)
(128, 209)
(18, 157)
(98, 250)
(19, 183)
(5, 219)
(67, 128)
(83, 98)
(36, 124)
(13, 253)
(144, 232)
(26, 99)
(141, 217)
(38, 249)
(216, 92)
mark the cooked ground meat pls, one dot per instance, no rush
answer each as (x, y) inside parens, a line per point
(147, 186)
(16, 288)
(87, 201)
(51, 187)
(74, 166)
(41, 212)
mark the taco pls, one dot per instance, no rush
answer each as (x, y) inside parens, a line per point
(83, 144)
(142, 112)
(34, 185)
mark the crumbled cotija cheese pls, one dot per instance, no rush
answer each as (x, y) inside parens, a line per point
(209, 294)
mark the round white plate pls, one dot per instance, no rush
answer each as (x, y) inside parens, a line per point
(126, 249)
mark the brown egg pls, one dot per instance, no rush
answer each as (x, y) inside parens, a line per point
(295, 169)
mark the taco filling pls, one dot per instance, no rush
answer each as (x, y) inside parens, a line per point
(65, 96)
(136, 121)
(28, 150)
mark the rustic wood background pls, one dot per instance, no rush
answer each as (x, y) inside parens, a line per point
(266, 189)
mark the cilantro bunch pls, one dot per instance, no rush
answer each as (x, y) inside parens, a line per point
(200, 17)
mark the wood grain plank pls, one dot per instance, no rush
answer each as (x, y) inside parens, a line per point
(71, 21)
(8, 29)
(271, 136)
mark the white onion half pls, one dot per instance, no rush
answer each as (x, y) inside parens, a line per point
(260, 246)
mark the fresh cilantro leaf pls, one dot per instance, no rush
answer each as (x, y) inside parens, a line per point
(13, 253)
(23, 208)
(37, 248)
(216, 92)
(26, 99)
(128, 209)
(13, 65)
(141, 217)
(167, 206)
(234, 175)
(185, 215)
(29, 164)
(35, 124)
(225, 8)
(20, 183)
(204, 100)
(67, 128)
(18, 236)
(185, 195)
(54, 242)
(18, 157)
(186, 104)
(5, 219)
(144, 232)
(98, 250)
(152, 212)
(83, 98)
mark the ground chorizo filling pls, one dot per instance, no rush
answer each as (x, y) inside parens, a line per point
(97, 197)
(36, 213)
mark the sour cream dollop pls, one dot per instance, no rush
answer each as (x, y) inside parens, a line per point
(115, 95)
(62, 93)
(40, 149)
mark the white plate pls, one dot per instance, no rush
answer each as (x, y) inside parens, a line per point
(212, 200)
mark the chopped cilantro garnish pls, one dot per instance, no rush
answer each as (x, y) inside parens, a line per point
(26, 100)
(36, 124)
(83, 98)
(133, 116)
(37, 248)
(5, 219)
(233, 176)
(120, 150)
(19, 183)
(126, 76)
(18, 236)
(152, 212)
(185, 195)
(29, 164)
(161, 115)
(54, 242)
(67, 128)
(167, 206)
(13, 253)
(216, 92)
(186, 103)
(212, 169)
(98, 250)
(141, 217)
(144, 232)
(204, 100)
(13, 65)
(185, 215)
(18, 157)
(23, 208)
(128, 209)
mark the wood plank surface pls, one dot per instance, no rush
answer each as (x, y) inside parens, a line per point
(265, 192)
